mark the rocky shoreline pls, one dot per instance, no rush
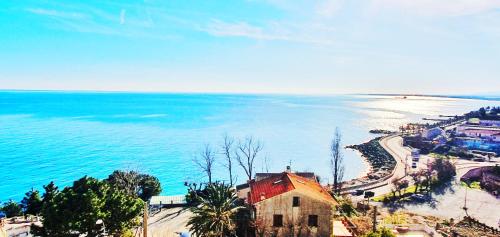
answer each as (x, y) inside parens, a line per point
(381, 131)
(381, 162)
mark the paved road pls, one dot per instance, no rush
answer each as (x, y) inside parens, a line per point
(447, 203)
(394, 145)
(169, 221)
(402, 154)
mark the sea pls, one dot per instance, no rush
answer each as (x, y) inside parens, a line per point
(61, 136)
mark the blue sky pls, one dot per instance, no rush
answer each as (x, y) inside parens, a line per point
(256, 46)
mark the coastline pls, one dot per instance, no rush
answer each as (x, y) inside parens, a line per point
(463, 97)
(377, 168)
(368, 166)
(364, 173)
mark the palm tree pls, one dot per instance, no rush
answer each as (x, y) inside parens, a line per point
(214, 215)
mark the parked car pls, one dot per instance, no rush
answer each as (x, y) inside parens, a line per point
(358, 192)
(369, 194)
(479, 159)
(414, 165)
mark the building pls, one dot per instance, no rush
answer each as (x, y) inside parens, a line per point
(486, 176)
(477, 144)
(308, 175)
(492, 123)
(159, 202)
(488, 133)
(242, 190)
(432, 133)
(473, 121)
(291, 205)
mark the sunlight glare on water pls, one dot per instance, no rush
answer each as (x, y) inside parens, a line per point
(51, 136)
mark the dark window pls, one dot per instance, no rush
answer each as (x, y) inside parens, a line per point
(278, 220)
(313, 220)
(296, 201)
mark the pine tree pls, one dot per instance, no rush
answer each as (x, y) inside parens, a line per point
(32, 203)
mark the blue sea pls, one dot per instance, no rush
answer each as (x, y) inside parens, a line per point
(62, 136)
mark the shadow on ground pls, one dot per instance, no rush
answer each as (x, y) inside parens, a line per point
(430, 200)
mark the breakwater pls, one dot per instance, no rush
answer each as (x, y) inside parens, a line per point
(381, 162)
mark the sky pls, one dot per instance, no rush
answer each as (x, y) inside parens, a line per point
(252, 46)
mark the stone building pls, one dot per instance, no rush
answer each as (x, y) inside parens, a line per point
(286, 204)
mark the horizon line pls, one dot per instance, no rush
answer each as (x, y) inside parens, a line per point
(486, 96)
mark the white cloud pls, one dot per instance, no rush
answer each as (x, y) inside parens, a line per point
(439, 7)
(54, 13)
(122, 16)
(272, 31)
(84, 18)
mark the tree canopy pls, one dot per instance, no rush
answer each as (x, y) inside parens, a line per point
(384, 232)
(444, 168)
(215, 214)
(133, 183)
(12, 209)
(32, 202)
(89, 207)
(485, 113)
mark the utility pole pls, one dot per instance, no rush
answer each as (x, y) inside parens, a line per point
(406, 166)
(145, 220)
(465, 202)
(375, 219)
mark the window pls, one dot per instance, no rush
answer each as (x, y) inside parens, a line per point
(313, 220)
(278, 220)
(296, 201)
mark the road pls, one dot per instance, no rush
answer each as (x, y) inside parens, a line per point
(447, 203)
(168, 222)
(394, 145)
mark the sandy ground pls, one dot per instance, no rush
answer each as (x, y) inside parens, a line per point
(167, 222)
(163, 224)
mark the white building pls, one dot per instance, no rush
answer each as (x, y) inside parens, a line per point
(167, 201)
(489, 133)
(432, 133)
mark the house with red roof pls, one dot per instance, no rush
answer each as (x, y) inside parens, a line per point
(287, 204)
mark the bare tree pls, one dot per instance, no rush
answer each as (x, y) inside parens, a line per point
(205, 161)
(395, 184)
(227, 149)
(337, 160)
(265, 165)
(246, 153)
(417, 179)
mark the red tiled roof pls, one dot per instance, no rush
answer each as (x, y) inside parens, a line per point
(279, 184)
